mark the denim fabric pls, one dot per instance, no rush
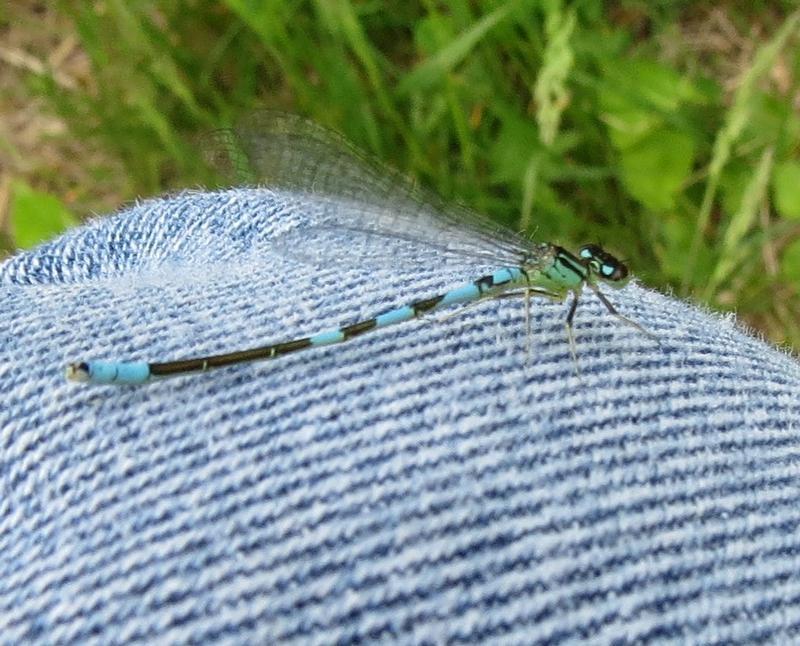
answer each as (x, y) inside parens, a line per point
(427, 483)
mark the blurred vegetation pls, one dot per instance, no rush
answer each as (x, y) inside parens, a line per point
(667, 130)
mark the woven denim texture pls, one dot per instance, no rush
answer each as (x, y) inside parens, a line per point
(421, 484)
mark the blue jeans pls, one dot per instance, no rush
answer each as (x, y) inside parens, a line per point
(427, 483)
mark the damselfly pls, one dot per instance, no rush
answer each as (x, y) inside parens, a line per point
(287, 152)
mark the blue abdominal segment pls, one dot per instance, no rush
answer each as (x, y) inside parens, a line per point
(110, 372)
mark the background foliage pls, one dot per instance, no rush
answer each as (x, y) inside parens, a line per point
(667, 130)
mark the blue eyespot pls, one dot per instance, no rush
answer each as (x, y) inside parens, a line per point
(607, 270)
(586, 253)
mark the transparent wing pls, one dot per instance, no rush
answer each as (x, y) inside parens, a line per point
(285, 151)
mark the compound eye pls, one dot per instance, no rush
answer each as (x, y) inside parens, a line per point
(614, 272)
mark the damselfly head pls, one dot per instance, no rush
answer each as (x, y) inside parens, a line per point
(603, 265)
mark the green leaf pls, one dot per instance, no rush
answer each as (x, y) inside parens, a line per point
(445, 60)
(638, 95)
(752, 198)
(786, 189)
(732, 184)
(37, 216)
(652, 85)
(655, 169)
(790, 262)
(516, 145)
(673, 237)
(431, 30)
(732, 250)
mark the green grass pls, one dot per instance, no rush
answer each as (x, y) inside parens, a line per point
(583, 121)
